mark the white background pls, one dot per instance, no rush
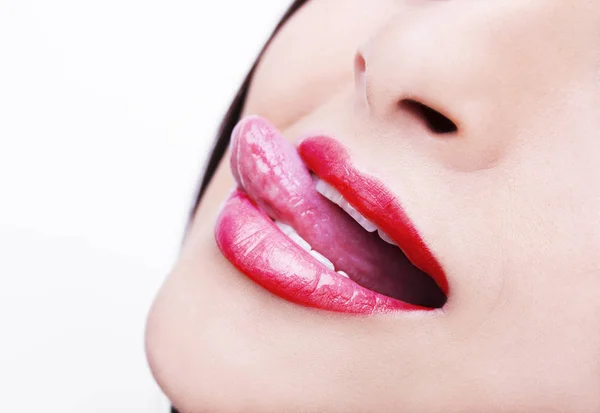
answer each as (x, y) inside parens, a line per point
(107, 111)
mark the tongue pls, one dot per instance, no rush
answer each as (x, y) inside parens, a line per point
(272, 174)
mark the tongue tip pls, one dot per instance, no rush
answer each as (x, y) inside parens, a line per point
(243, 126)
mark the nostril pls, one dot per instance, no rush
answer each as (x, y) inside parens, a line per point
(434, 120)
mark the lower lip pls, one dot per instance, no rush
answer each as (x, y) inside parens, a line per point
(254, 245)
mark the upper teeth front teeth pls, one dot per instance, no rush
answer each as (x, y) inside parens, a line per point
(336, 197)
(385, 237)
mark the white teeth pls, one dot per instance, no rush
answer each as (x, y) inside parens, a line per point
(329, 192)
(293, 235)
(385, 237)
(334, 196)
(364, 222)
(300, 241)
(322, 260)
(285, 228)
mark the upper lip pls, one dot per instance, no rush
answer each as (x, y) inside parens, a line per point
(272, 175)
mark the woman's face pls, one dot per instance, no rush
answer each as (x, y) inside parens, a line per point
(509, 204)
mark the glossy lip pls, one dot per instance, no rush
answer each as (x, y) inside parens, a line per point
(251, 241)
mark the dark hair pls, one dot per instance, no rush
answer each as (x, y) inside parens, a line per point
(233, 116)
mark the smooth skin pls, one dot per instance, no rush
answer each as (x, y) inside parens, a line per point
(510, 205)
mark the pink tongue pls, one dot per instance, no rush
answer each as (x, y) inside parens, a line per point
(271, 172)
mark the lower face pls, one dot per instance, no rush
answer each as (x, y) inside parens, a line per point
(466, 132)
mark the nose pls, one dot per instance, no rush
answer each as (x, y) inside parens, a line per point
(481, 73)
(385, 85)
(422, 77)
(425, 79)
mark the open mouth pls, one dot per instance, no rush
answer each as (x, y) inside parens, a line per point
(327, 237)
